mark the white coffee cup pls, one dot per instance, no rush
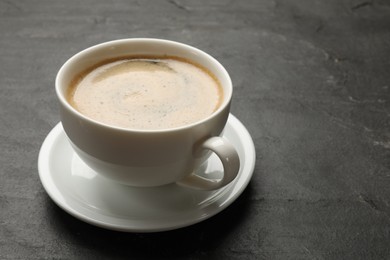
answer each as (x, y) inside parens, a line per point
(147, 158)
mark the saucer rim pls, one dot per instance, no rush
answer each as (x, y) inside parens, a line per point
(234, 190)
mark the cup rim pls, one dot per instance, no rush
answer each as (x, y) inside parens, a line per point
(220, 67)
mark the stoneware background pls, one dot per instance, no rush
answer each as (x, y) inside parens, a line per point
(312, 86)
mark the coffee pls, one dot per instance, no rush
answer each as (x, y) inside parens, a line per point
(146, 92)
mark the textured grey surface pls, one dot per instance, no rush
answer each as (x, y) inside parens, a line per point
(311, 84)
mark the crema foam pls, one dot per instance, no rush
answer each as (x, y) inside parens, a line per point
(146, 92)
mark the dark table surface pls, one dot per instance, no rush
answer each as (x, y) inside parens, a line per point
(312, 86)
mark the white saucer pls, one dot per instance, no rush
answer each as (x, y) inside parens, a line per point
(78, 190)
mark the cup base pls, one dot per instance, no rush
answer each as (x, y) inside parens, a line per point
(84, 194)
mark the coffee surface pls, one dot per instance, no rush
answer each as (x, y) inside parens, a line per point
(146, 93)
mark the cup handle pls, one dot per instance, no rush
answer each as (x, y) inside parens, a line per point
(230, 161)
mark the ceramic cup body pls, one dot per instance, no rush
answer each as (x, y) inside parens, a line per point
(147, 157)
